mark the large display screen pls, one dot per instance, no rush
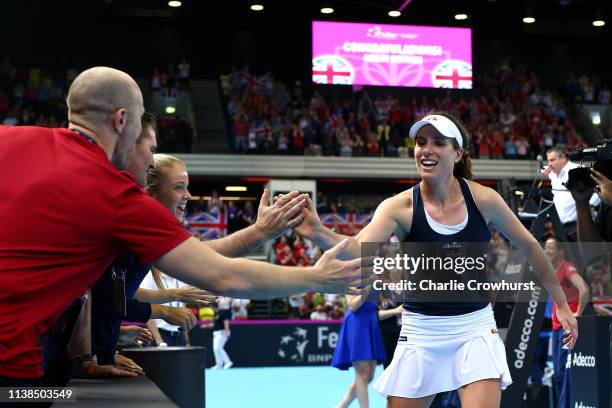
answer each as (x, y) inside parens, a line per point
(391, 55)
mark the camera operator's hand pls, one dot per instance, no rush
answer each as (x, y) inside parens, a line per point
(582, 196)
(604, 186)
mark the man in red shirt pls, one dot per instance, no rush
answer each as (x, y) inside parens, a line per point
(68, 211)
(577, 292)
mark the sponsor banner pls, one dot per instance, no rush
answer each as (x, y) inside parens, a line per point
(275, 343)
(589, 363)
(521, 343)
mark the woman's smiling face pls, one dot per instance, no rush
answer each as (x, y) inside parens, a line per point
(172, 190)
(434, 153)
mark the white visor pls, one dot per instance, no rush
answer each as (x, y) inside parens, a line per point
(442, 124)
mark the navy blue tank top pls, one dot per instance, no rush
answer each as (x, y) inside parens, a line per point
(476, 230)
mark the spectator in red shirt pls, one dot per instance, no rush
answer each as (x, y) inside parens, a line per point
(75, 211)
(297, 140)
(577, 292)
(241, 130)
(372, 145)
(299, 249)
(483, 145)
(283, 251)
(497, 144)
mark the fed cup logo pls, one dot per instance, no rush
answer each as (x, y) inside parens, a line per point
(292, 346)
(332, 69)
(453, 74)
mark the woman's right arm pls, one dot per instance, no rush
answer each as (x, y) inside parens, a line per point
(381, 227)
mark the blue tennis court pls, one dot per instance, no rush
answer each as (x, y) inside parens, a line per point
(271, 387)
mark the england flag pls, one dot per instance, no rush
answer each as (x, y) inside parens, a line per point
(453, 74)
(332, 69)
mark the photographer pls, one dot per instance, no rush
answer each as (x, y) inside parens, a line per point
(558, 172)
(599, 230)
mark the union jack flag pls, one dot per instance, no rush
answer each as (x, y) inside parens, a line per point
(209, 225)
(345, 220)
(254, 84)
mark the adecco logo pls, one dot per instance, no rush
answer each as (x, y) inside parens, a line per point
(526, 331)
(581, 405)
(583, 361)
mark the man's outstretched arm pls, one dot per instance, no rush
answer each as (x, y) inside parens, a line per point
(196, 263)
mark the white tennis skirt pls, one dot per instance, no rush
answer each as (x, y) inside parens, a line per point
(443, 353)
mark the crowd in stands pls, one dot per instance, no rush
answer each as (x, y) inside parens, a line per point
(37, 97)
(168, 86)
(293, 250)
(587, 90)
(510, 116)
(171, 80)
(31, 96)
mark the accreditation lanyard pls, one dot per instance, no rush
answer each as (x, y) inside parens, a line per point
(84, 136)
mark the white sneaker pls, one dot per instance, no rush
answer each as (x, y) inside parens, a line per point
(228, 365)
(215, 367)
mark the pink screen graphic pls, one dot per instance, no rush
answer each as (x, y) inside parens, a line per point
(391, 55)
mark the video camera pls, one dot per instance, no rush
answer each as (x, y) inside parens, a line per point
(598, 158)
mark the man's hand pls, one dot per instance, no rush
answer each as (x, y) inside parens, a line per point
(285, 213)
(582, 196)
(311, 221)
(179, 316)
(143, 335)
(604, 186)
(569, 323)
(89, 369)
(127, 364)
(335, 276)
(192, 295)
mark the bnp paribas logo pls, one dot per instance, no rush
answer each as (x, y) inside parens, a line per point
(293, 345)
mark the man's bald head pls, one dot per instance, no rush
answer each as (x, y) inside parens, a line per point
(98, 91)
(108, 102)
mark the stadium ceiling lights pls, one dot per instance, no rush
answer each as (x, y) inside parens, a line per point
(327, 10)
(394, 13)
(235, 188)
(257, 7)
(175, 3)
(461, 16)
(599, 21)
